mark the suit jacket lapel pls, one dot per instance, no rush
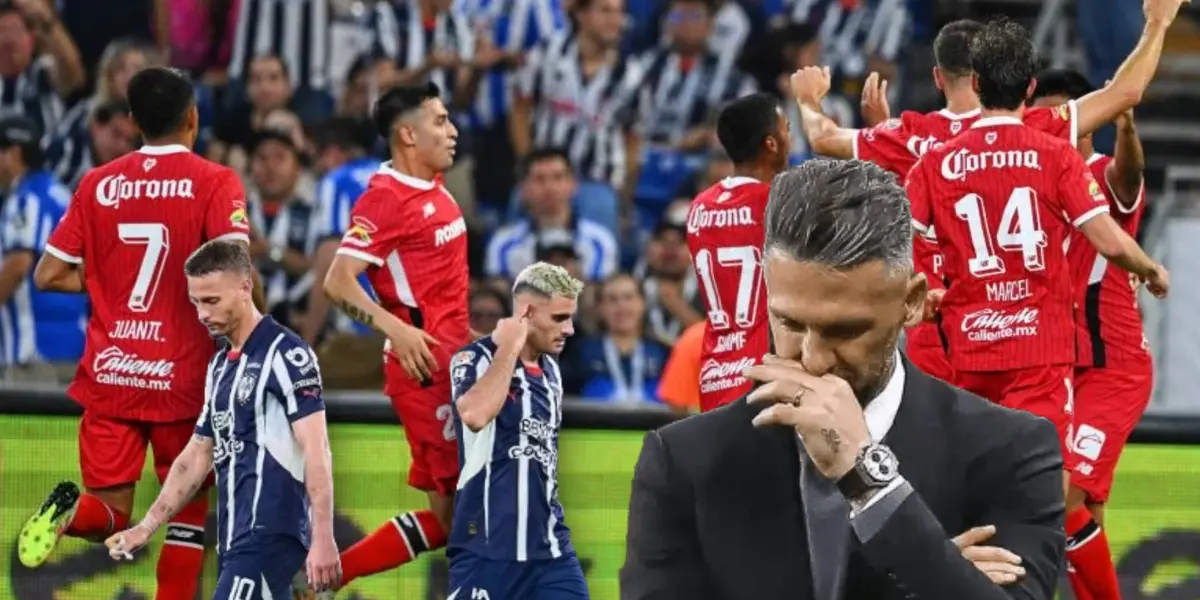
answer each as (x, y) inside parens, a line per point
(827, 526)
(913, 437)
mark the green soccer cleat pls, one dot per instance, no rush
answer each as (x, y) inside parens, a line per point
(42, 531)
(301, 590)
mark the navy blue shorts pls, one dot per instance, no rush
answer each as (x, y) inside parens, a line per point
(260, 570)
(472, 577)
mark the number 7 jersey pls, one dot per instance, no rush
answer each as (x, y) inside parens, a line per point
(132, 224)
(725, 237)
(1001, 200)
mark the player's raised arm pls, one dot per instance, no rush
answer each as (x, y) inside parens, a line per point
(1129, 83)
(183, 481)
(1124, 173)
(480, 383)
(825, 137)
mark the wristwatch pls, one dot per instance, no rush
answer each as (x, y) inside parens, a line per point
(874, 468)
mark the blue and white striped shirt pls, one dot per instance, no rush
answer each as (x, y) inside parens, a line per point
(402, 37)
(514, 247)
(37, 326)
(512, 26)
(507, 506)
(251, 400)
(336, 194)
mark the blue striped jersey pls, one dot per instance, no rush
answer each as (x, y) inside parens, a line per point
(678, 94)
(69, 146)
(336, 194)
(513, 26)
(514, 247)
(37, 326)
(289, 226)
(507, 506)
(402, 37)
(32, 93)
(251, 399)
(295, 30)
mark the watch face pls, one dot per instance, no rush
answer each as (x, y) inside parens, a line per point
(880, 464)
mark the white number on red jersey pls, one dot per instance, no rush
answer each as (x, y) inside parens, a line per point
(747, 260)
(154, 237)
(1020, 231)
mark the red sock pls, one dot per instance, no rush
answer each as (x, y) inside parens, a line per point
(1087, 551)
(1077, 588)
(182, 555)
(95, 520)
(397, 542)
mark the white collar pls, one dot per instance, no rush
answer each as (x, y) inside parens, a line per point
(161, 150)
(881, 412)
(994, 121)
(945, 112)
(731, 182)
(1094, 157)
(413, 182)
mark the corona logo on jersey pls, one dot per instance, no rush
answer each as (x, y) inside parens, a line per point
(959, 163)
(113, 366)
(702, 218)
(360, 232)
(113, 189)
(918, 146)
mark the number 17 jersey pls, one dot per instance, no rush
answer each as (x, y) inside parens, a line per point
(1002, 199)
(725, 237)
(132, 224)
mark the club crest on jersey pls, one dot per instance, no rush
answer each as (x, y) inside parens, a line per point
(955, 127)
(990, 138)
(360, 232)
(245, 388)
(149, 164)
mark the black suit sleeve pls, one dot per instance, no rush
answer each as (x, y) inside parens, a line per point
(1020, 486)
(662, 555)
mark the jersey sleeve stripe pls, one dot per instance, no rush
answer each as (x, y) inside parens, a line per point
(921, 228)
(1087, 216)
(1073, 110)
(262, 435)
(854, 144)
(280, 373)
(1117, 199)
(233, 237)
(63, 256)
(360, 255)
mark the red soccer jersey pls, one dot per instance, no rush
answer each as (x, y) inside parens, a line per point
(412, 233)
(1108, 323)
(1002, 199)
(132, 224)
(725, 236)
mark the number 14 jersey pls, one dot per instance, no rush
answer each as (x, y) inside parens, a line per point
(132, 224)
(725, 237)
(1000, 200)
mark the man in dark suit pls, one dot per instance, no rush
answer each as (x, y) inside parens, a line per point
(840, 475)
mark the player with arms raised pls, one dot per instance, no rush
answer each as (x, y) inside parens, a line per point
(124, 240)
(1002, 199)
(263, 433)
(1114, 373)
(725, 236)
(408, 235)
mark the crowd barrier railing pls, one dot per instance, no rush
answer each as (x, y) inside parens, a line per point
(1153, 518)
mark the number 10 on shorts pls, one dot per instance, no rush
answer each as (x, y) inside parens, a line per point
(242, 589)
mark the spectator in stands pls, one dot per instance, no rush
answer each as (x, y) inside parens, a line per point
(685, 81)
(269, 93)
(487, 307)
(621, 365)
(340, 141)
(355, 101)
(668, 281)
(108, 134)
(579, 91)
(283, 214)
(679, 386)
(547, 187)
(41, 333)
(40, 66)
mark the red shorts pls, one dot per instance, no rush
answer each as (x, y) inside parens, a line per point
(1044, 391)
(931, 360)
(1108, 405)
(112, 451)
(428, 422)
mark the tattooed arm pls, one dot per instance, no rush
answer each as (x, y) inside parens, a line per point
(183, 481)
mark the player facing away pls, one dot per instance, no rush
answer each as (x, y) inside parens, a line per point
(262, 431)
(1002, 200)
(896, 144)
(132, 224)
(408, 235)
(1114, 373)
(509, 541)
(725, 237)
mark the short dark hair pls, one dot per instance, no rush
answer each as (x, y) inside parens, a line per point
(346, 133)
(744, 124)
(105, 112)
(400, 101)
(218, 256)
(271, 57)
(1003, 59)
(539, 155)
(1061, 82)
(840, 214)
(159, 100)
(952, 46)
(709, 6)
